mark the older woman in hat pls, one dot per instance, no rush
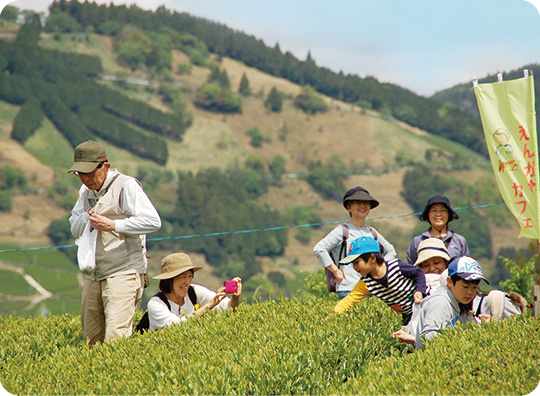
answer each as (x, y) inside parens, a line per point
(433, 258)
(438, 213)
(335, 246)
(186, 300)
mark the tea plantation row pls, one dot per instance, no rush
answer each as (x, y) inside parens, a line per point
(290, 346)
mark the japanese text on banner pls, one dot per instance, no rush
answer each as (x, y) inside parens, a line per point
(509, 123)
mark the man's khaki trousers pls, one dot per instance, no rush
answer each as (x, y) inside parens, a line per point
(108, 307)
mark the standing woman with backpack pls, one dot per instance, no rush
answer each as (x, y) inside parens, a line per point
(335, 246)
(179, 299)
(438, 213)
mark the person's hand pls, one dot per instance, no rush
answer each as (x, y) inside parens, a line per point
(485, 317)
(235, 297)
(102, 223)
(403, 336)
(238, 281)
(339, 276)
(418, 296)
(220, 295)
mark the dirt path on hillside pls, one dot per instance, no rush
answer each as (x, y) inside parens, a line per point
(33, 300)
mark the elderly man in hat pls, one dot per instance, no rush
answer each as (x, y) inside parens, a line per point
(115, 207)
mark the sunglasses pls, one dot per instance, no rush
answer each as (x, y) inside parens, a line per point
(90, 173)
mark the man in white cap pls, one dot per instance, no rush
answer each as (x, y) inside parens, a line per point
(115, 206)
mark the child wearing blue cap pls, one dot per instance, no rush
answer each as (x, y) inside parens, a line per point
(397, 283)
(447, 305)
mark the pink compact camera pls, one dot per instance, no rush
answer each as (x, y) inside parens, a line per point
(231, 287)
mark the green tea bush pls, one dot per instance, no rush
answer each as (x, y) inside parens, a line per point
(290, 346)
(501, 358)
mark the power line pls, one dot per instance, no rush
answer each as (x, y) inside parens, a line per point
(253, 230)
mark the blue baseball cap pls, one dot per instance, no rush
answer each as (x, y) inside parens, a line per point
(359, 247)
(467, 269)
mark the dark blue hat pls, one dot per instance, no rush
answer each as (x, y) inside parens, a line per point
(439, 199)
(359, 194)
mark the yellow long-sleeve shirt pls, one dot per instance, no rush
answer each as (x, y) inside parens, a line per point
(358, 293)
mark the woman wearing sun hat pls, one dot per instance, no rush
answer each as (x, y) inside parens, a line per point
(433, 258)
(358, 202)
(438, 213)
(175, 279)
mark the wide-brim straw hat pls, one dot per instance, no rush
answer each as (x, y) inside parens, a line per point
(429, 248)
(174, 264)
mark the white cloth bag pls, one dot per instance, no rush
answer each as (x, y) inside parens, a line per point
(86, 253)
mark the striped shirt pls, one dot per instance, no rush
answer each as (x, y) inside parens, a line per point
(397, 287)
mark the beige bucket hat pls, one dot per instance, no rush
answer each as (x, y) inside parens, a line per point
(174, 264)
(431, 247)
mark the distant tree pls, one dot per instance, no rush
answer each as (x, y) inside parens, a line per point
(256, 136)
(277, 167)
(194, 48)
(244, 88)
(213, 97)
(309, 102)
(11, 177)
(274, 100)
(27, 121)
(59, 232)
(5, 201)
(30, 31)
(132, 47)
(61, 22)
(328, 179)
(109, 28)
(10, 13)
(219, 77)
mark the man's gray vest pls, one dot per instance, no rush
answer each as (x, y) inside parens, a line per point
(115, 253)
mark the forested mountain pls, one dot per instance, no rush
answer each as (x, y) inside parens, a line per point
(389, 99)
(462, 97)
(63, 87)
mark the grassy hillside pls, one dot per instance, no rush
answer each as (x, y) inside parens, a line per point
(361, 139)
(284, 347)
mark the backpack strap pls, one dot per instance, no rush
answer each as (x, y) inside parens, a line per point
(192, 296)
(479, 308)
(343, 250)
(164, 299)
(374, 233)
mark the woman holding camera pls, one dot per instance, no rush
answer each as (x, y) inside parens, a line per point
(179, 299)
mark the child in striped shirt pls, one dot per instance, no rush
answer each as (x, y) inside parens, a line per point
(395, 282)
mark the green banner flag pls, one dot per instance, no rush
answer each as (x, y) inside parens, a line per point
(509, 122)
